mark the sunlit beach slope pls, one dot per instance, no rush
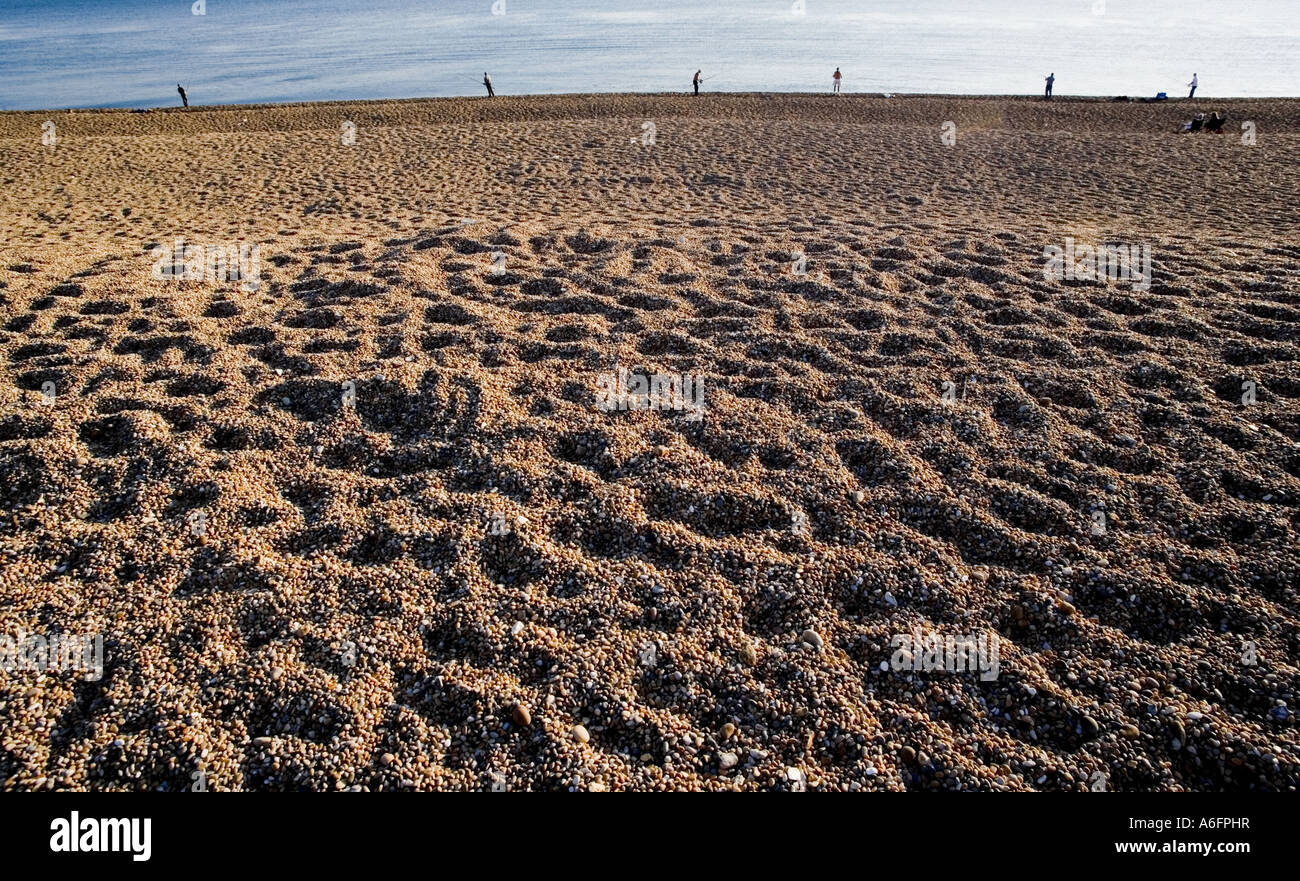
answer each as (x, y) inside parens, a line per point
(327, 420)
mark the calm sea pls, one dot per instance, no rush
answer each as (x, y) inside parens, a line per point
(132, 53)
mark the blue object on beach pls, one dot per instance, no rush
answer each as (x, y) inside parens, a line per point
(1162, 96)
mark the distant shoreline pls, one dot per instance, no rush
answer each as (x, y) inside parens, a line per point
(553, 96)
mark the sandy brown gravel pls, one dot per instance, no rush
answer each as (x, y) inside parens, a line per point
(472, 578)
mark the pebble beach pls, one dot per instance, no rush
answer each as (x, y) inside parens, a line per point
(358, 519)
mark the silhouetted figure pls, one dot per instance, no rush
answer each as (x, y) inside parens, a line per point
(1192, 93)
(696, 82)
(184, 101)
(487, 81)
(1051, 80)
(837, 80)
(1215, 122)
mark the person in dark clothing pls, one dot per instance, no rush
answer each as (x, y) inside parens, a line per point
(1051, 79)
(696, 82)
(184, 101)
(487, 81)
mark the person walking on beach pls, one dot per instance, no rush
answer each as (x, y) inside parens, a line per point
(837, 80)
(1192, 93)
(185, 102)
(1051, 79)
(487, 81)
(696, 82)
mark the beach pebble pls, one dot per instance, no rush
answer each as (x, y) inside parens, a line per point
(580, 734)
(521, 714)
(727, 761)
(811, 638)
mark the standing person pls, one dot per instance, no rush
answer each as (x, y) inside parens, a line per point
(1051, 80)
(185, 102)
(1192, 93)
(837, 80)
(487, 81)
(696, 82)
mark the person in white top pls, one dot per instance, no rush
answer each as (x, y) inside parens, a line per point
(1192, 93)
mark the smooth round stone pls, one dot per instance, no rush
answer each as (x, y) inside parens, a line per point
(812, 638)
(580, 734)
